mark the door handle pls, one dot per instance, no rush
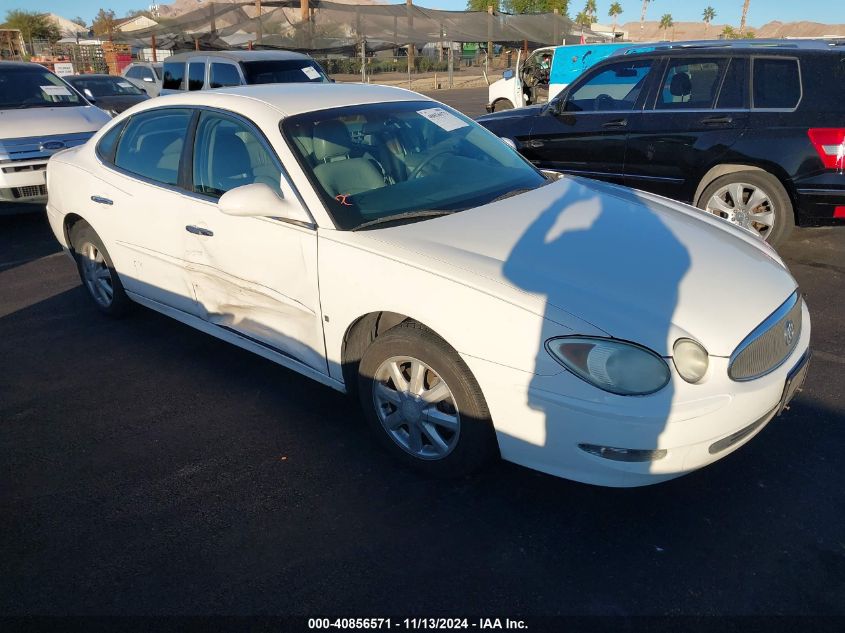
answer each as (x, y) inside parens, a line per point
(198, 230)
(101, 200)
(616, 123)
(717, 120)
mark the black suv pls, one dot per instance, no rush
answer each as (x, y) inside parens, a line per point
(751, 131)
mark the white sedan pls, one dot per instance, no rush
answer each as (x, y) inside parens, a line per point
(386, 245)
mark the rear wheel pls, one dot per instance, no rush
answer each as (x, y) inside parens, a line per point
(753, 200)
(97, 272)
(423, 403)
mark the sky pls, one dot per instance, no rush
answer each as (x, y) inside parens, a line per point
(727, 11)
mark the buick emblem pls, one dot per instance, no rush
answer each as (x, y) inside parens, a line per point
(788, 332)
(51, 145)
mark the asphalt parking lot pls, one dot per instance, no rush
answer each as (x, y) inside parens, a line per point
(151, 469)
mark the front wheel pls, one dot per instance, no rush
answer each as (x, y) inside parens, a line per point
(753, 200)
(423, 403)
(97, 272)
(502, 104)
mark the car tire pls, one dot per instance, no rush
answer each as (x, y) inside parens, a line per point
(96, 270)
(773, 204)
(400, 372)
(502, 104)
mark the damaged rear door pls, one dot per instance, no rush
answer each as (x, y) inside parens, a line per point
(254, 276)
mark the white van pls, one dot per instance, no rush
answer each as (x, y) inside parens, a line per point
(39, 115)
(537, 80)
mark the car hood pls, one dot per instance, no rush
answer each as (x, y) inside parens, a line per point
(516, 113)
(119, 103)
(633, 265)
(29, 122)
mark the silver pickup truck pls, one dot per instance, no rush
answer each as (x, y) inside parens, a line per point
(39, 115)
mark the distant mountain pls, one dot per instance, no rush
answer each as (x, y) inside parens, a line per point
(696, 31)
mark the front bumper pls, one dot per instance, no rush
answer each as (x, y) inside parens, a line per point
(540, 421)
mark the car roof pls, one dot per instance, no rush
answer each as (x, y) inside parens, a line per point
(144, 63)
(240, 56)
(291, 98)
(749, 45)
(20, 65)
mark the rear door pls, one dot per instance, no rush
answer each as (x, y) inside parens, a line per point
(584, 132)
(698, 111)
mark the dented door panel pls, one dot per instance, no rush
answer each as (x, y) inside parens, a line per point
(258, 278)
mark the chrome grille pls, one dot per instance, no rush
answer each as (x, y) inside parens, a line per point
(770, 344)
(32, 191)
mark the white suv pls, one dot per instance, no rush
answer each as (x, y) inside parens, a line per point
(39, 115)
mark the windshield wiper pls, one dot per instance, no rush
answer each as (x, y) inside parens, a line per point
(409, 215)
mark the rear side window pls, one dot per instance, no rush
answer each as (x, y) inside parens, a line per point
(691, 83)
(174, 76)
(151, 144)
(107, 144)
(734, 92)
(222, 75)
(777, 83)
(196, 75)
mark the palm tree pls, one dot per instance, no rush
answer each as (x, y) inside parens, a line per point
(666, 23)
(642, 16)
(615, 10)
(584, 20)
(709, 15)
(744, 14)
(728, 32)
(590, 9)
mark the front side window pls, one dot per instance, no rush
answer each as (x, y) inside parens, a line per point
(403, 161)
(284, 71)
(196, 75)
(222, 75)
(174, 76)
(612, 88)
(690, 84)
(777, 83)
(34, 87)
(151, 144)
(228, 154)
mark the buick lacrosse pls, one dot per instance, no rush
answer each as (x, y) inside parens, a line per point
(389, 247)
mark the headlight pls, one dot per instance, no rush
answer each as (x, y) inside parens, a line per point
(691, 359)
(622, 368)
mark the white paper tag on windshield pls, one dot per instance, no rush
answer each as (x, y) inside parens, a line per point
(56, 91)
(442, 119)
(310, 72)
(124, 84)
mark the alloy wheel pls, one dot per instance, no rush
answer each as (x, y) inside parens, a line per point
(746, 205)
(416, 407)
(96, 274)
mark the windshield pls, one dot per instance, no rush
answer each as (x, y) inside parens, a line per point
(370, 162)
(105, 86)
(31, 87)
(284, 71)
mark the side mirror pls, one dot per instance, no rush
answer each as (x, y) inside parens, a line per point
(259, 200)
(508, 74)
(509, 142)
(89, 95)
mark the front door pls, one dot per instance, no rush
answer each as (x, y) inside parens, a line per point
(256, 277)
(585, 131)
(697, 114)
